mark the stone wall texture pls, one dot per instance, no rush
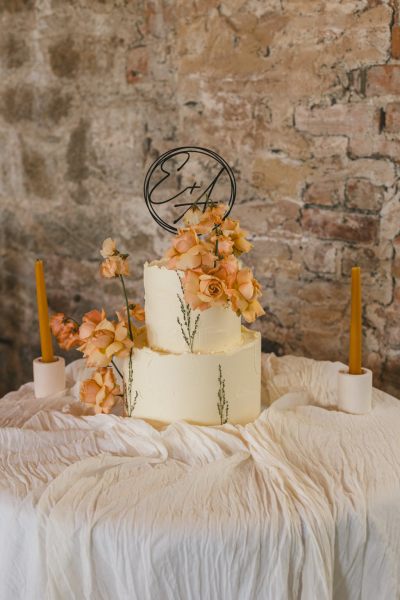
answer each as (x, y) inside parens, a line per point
(301, 97)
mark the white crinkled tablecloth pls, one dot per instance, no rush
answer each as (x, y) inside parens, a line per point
(303, 503)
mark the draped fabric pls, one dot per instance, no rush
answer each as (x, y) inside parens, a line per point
(303, 503)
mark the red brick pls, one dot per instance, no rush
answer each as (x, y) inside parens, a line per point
(362, 194)
(339, 119)
(382, 80)
(395, 42)
(333, 225)
(326, 193)
(392, 121)
(375, 146)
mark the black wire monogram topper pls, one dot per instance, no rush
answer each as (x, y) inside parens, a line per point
(186, 177)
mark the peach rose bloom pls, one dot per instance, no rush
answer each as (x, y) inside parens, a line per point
(253, 311)
(246, 284)
(232, 229)
(108, 339)
(70, 339)
(203, 291)
(212, 290)
(188, 252)
(225, 244)
(226, 270)
(244, 296)
(185, 240)
(109, 248)
(212, 216)
(191, 287)
(102, 390)
(198, 257)
(89, 322)
(65, 330)
(182, 242)
(114, 266)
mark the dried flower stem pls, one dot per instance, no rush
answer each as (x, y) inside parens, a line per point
(127, 307)
(129, 407)
(222, 404)
(186, 311)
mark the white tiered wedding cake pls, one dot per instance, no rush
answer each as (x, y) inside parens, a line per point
(201, 366)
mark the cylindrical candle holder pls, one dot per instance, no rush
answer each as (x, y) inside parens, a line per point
(355, 392)
(48, 377)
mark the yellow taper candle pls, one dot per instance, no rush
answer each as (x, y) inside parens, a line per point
(43, 311)
(355, 355)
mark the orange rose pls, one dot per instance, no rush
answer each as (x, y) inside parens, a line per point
(115, 263)
(212, 217)
(182, 243)
(226, 270)
(89, 322)
(191, 287)
(198, 257)
(212, 290)
(244, 295)
(188, 252)
(232, 230)
(114, 266)
(65, 330)
(108, 339)
(223, 244)
(102, 390)
(203, 291)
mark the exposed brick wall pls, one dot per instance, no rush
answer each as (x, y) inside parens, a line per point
(302, 98)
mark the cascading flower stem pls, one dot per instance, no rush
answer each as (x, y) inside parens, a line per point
(127, 307)
(102, 340)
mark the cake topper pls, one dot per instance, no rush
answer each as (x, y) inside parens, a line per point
(184, 177)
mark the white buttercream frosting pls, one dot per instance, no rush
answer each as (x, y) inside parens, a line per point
(218, 328)
(170, 387)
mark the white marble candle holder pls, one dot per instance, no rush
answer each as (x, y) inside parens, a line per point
(48, 377)
(355, 392)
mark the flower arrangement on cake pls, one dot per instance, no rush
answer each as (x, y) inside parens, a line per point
(207, 250)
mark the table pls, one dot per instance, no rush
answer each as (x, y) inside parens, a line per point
(303, 503)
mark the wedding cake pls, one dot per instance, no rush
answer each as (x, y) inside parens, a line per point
(198, 362)
(207, 373)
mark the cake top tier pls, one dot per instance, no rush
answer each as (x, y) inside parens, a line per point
(173, 326)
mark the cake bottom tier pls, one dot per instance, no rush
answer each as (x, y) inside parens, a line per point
(204, 389)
